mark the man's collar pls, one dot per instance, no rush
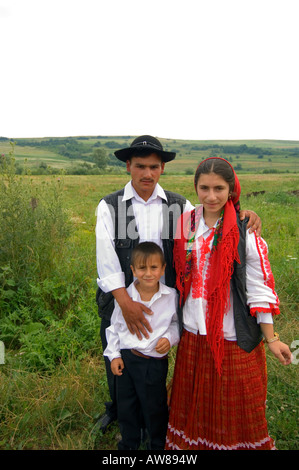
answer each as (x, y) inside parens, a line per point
(129, 193)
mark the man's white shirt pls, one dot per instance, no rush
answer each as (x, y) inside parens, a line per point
(149, 222)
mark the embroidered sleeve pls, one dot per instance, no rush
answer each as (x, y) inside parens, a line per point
(260, 284)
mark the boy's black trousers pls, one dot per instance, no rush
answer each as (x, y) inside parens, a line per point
(142, 400)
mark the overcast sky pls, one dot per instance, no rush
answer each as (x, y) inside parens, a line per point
(192, 69)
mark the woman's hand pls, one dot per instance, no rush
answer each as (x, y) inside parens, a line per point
(281, 351)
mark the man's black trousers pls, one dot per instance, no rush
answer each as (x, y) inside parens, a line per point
(111, 407)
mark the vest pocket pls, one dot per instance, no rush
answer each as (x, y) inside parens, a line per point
(123, 243)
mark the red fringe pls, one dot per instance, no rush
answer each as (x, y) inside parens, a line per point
(218, 286)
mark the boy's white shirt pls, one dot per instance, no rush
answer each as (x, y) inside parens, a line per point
(164, 323)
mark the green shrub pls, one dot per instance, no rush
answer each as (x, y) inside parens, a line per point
(34, 226)
(41, 278)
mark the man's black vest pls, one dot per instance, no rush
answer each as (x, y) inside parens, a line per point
(127, 237)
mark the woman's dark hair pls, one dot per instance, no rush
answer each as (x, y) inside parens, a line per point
(218, 166)
(144, 250)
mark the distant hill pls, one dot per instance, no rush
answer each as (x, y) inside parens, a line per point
(74, 155)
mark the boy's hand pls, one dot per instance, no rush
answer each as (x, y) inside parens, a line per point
(163, 346)
(117, 366)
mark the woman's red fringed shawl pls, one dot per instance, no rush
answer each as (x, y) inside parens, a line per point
(223, 254)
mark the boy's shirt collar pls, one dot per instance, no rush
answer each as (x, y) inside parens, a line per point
(163, 290)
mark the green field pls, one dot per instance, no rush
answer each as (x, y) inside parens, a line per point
(70, 152)
(52, 385)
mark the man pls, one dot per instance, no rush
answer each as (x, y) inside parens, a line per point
(142, 211)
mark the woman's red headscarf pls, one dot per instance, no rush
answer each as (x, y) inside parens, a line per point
(223, 254)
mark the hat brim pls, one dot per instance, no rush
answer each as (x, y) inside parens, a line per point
(125, 154)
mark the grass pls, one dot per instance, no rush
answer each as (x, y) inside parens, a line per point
(58, 409)
(51, 412)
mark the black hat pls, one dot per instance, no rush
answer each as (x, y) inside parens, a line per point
(144, 142)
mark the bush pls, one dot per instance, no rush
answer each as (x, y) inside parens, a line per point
(39, 287)
(34, 226)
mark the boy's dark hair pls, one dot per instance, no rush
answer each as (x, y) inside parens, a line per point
(144, 250)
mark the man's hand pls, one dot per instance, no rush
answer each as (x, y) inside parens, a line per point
(133, 313)
(117, 366)
(254, 222)
(163, 346)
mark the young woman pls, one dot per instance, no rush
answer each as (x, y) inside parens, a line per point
(227, 299)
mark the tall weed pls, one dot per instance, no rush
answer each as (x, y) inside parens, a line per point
(42, 276)
(34, 225)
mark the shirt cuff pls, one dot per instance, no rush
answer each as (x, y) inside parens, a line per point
(112, 282)
(172, 335)
(113, 356)
(263, 311)
(264, 318)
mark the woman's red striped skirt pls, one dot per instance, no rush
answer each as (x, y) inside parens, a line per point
(213, 412)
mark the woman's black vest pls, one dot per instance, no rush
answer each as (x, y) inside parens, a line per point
(123, 217)
(247, 330)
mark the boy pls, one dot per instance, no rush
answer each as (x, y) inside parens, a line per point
(141, 366)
